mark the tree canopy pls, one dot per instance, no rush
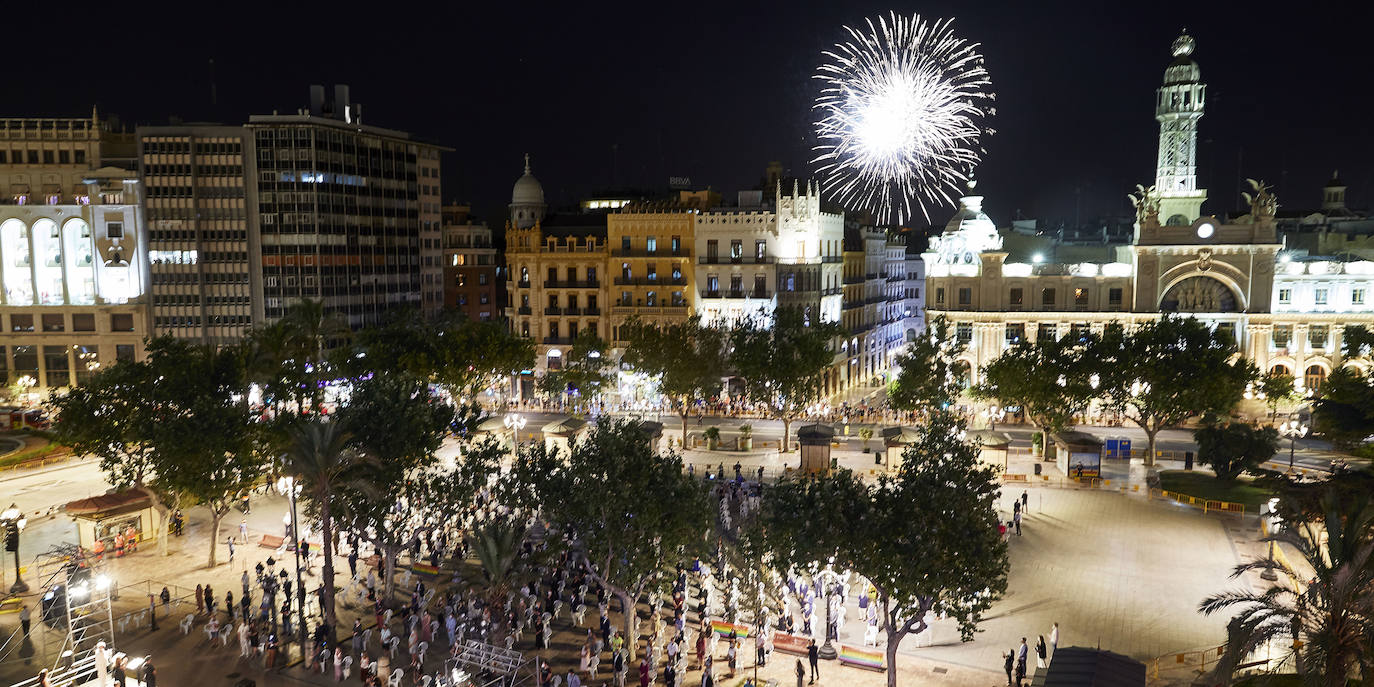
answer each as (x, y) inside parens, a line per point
(1344, 412)
(1232, 448)
(784, 365)
(1051, 380)
(586, 370)
(688, 359)
(931, 376)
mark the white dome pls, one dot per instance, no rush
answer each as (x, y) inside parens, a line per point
(528, 190)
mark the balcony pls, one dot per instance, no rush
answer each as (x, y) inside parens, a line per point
(553, 311)
(852, 280)
(871, 276)
(522, 284)
(660, 310)
(742, 260)
(558, 340)
(524, 310)
(572, 311)
(645, 281)
(835, 259)
(833, 291)
(738, 293)
(572, 284)
(640, 253)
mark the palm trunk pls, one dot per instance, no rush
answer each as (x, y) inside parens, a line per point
(327, 598)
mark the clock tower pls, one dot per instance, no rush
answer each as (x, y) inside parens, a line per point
(1178, 107)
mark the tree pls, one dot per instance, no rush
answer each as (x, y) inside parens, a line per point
(1050, 380)
(320, 457)
(586, 370)
(687, 359)
(631, 512)
(927, 540)
(463, 356)
(502, 565)
(1169, 370)
(1276, 388)
(1234, 447)
(396, 422)
(1344, 412)
(930, 374)
(1332, 615)
(784, 365)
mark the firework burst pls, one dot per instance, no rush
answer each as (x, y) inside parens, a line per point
(901, 116)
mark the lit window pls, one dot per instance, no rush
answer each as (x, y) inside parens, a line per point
(1357, 296)
(1321, 296)
(1285, 296)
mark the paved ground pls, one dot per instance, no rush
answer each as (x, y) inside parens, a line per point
(1115, 570)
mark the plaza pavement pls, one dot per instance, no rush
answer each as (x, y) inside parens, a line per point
(1114, 570)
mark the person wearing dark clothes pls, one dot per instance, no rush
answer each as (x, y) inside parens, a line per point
(812, 657)
(1010, 665)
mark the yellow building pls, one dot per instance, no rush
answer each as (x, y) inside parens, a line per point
(651, 260)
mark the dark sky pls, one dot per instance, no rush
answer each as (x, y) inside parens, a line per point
(608, 93)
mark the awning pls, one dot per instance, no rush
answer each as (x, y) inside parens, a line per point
(564, 427)
(105, 505)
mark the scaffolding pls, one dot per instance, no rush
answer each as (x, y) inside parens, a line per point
(76, 597)
(485, 665)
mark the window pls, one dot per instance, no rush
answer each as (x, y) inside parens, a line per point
(791, 282)
(462, 279)
(1080, 297)
(83, 322)
(651, 272)
(1357, 296)
(1321, 296)
(482, 278)
(625, 243)
(525, 329)
(591, 274)
(1279, 371)
(58, 363)
(1016, 297)
(1285, 296)
(677, 272)
(1079, 331)
(1114, 296)
(1313, 378)
(114, 230)
(712, 249)
(625, 271)
(1047, 298)
(651, 244)
(21, 323)
(54, 322)
(626, 298)
(712, 283)
(1015, 333)
(965, 296)
(760, 285)
(736, 283)
(736, 249)
(760, 250)
(964, 332)
(1283, 333)
(939, 295)
(1046, 333)
(122, 322)
(677, 245)
(1316, 335)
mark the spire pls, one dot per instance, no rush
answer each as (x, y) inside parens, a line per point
(527, 163)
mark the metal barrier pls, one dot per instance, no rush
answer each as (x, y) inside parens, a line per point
(1207, 505)
(1197, 657)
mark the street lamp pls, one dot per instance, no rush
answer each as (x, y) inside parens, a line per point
(13, 521)
(1274, 523)
(827, 650)
(514, 422)
(995, 414)
(288, 487)
(1293, 429)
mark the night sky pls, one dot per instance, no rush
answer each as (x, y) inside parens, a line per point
(607, 94)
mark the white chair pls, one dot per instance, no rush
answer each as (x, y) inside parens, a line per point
(386, 617)
(510, 642)
(579, 615)
(186, 624)
(395, 643)
(557, 608)
(347, 666)
(405, 578)
(385, 635)
(424, 646)
(395, 679)
(225, 633)
(367, 637)
(209, 634)
(123, 624)
(425, 680)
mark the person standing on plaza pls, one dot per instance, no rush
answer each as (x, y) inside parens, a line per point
(243, 530)
(801, 673)
(1010, 657)
(1025, 500)
(231, 550)
(229, 605)
(149, 674)
(813, 657)
(200, 599)
(1017, 517)
(152, 612)
(1040, 652)
(1021, 654)
(24, 618)
(618, 668)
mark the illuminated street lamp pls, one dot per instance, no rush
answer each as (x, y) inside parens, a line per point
(1293, 429)
(514, 422)
(287, 486)
(1275, 522)
(994, 414)
(13, 521)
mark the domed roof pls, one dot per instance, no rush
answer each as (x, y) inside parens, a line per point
(970, 212)
(528, 190)
(1335, 181)
(1183, 69)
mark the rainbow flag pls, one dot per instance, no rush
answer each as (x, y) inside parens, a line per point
(863, 658)
(724, 629)
(422, 569)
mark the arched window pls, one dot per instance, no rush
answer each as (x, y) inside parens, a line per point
(1176, 221)
(1314, 377)
(963, 373)
(1279, 370)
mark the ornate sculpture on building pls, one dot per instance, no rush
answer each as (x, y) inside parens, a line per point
(1146, 202)
(1263, 204)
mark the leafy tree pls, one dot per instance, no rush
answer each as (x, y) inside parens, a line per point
(1234, 447)
(1275, 389)
(926, 540)
(931, 376)
(320, 457)
(1332, 614)
(784, 365)
(1050, 380)
(463, 356)
(1344, 412)
(688, 359)
(502, 565)
(631, 512)
(587, 369)
(1357, 341)
(396, 422)
(1169, 370)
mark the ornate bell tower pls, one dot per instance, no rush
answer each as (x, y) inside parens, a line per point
(1178, 107)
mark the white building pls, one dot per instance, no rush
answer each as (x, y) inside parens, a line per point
(1285, 309)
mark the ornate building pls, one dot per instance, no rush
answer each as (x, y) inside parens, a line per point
(1285, 308)
(474, 279)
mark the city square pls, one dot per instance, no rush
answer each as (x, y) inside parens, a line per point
(956, 391)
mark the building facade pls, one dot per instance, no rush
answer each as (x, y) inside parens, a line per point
(651, 253)
(1285, 308)
(474, 279)
(72, 252)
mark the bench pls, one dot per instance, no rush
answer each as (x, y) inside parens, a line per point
(790, 644)
(861, 657)
(271, 541)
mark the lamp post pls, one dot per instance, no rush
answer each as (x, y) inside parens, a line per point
(13, 520)
(827, 650)
(514, 422)
(1293, 429)
(287, 486)
(995, 414)
(1272, 516)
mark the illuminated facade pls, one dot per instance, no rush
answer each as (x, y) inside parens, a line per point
(1286, 309)
(651, 263)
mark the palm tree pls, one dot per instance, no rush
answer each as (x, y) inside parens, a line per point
(319, 455)
(308, 330)
(502, 565)
(1330, 619)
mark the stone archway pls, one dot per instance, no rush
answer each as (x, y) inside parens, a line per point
(1200, 293)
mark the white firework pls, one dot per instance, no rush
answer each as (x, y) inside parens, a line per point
(902, 113)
